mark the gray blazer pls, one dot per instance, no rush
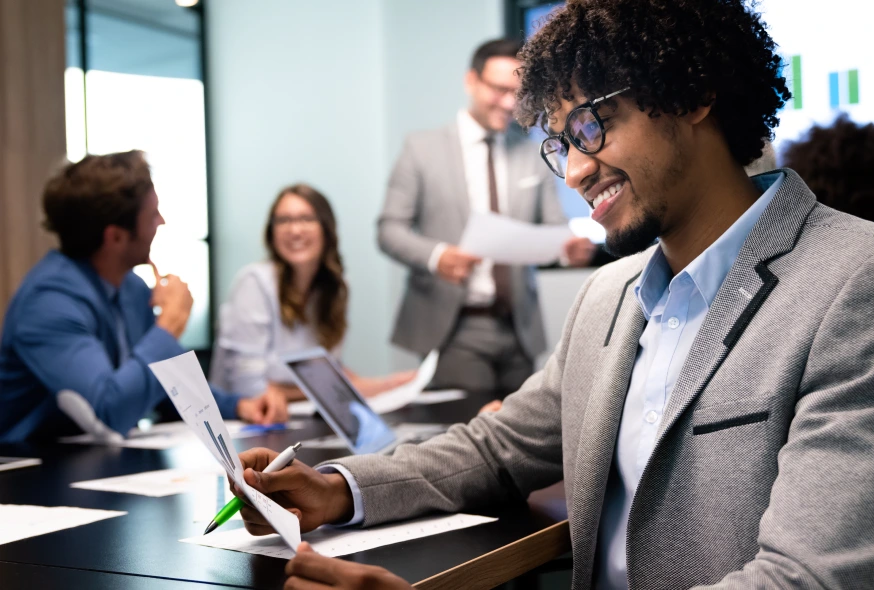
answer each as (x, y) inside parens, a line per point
(427, 203)
(763, 471)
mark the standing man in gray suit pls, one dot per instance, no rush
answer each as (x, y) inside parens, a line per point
(710, 405)
(483, 317)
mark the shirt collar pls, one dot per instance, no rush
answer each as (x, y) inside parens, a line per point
(108, 288)
(470, 132)
(710, 268)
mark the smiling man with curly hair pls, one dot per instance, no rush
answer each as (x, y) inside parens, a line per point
(709, 405)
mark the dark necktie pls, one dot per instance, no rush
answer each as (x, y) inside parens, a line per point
(500, 272)
(120, 330)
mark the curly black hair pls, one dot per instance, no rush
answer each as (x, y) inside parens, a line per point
(837, 163)
(675, 55)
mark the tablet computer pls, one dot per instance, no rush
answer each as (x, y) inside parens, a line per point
(322, 380)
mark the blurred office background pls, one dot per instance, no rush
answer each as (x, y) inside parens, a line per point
(232, 100)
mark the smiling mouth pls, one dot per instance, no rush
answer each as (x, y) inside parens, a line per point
(605, 199)
(297, 246)
(607, 193)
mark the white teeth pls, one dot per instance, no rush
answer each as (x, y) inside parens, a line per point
(607, 193)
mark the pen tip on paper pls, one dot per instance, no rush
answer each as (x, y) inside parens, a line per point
(212, 526)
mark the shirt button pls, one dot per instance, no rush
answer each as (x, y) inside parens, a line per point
(673, 323)
(651, 417)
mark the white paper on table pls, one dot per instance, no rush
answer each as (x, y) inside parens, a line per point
(167, 435)
(184, 381)
(387, 401)
(209, 486)
(23, 522)
(336, 541)
(505, 240)
(438, 396)
(156, 484)
(301, 408)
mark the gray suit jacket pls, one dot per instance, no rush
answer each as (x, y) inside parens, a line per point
(763, 471)
(427, 203)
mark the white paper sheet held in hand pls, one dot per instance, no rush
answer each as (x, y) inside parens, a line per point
(183, 380)
(509, 241)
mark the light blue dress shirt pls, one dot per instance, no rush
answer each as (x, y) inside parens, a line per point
(674, 309)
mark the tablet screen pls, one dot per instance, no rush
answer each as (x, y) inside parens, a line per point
(344, 408)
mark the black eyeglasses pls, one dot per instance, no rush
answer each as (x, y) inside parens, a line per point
(583, 127)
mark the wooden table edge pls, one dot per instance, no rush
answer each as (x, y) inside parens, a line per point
(504, 563)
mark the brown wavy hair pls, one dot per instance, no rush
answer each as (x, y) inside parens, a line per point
(329, 286)
(85, 197)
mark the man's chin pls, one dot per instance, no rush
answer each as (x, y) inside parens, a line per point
(631, 240)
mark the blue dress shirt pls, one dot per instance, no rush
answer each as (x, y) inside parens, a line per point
(62, 331)
(674, 308)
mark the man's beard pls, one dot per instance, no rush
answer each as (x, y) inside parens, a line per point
(634, 239)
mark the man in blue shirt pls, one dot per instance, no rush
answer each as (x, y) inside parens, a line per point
(709, 405)
(83, 322)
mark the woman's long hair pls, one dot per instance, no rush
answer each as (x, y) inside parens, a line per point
(329, 286)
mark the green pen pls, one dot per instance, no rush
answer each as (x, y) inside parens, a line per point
(282, 459)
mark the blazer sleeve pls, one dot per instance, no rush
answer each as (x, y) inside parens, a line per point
(494, 459)
(397, 224)
(818, 529)
(56, 339)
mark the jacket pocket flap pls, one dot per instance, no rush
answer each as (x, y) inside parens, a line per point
(749, 410)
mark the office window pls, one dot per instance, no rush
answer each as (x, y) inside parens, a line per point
(137, 83)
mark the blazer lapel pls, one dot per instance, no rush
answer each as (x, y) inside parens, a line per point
(601, 425)
(745, 289)
(455, 173)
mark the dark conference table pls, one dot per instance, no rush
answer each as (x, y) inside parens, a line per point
(141, 549)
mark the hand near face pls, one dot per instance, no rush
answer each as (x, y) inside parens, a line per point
(455, 265)
(311, 571)
(579, 251)
(315, 498)
(174, 299)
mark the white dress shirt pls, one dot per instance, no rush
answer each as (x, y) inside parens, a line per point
(474, 154)
(253, 340)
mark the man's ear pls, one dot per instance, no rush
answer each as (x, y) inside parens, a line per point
(114, 236)
(699, 114)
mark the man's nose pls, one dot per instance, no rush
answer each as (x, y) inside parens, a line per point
(580, 166)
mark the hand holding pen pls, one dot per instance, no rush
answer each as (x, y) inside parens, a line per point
(315, 498)
(281, 460)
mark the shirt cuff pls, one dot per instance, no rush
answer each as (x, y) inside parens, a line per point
(357, 502)
(436, 253)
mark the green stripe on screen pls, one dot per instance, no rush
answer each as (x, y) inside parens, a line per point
(853, 86)
(796, 82)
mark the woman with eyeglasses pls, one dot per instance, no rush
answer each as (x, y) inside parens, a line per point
(294, 301)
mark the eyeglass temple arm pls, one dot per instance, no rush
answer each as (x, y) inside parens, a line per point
(611, 95)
